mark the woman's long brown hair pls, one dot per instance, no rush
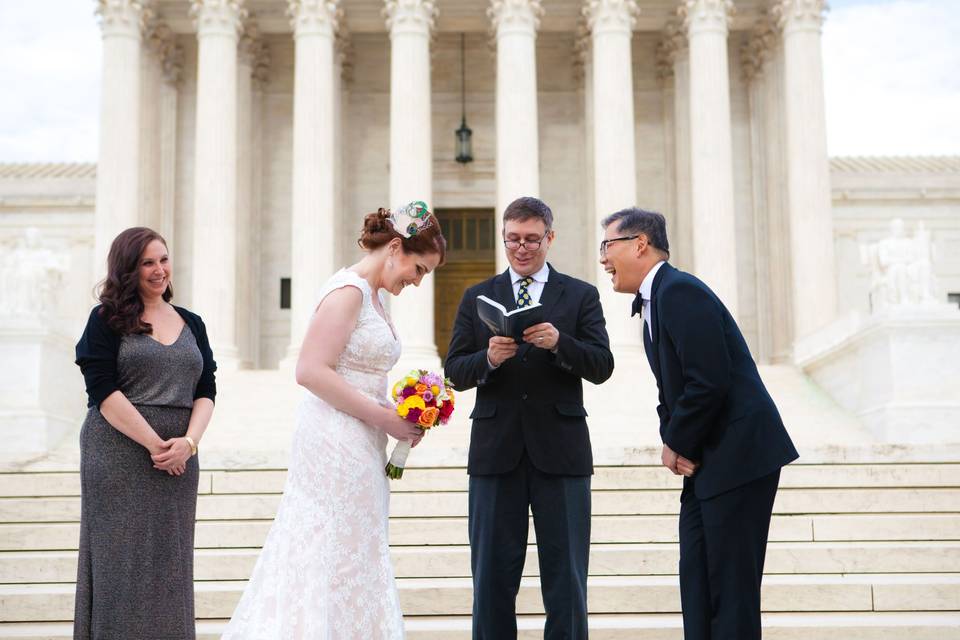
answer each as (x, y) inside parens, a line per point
(120, 290)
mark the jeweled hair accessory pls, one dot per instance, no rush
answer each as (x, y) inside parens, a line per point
(411, 219)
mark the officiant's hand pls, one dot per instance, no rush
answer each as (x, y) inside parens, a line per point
(499, 349)
(543, 335)
(678, 464)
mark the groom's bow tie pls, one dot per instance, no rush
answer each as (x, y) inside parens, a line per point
(637, 305)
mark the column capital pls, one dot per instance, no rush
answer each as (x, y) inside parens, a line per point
(512, 16)
(610, 15)
(706, 15)
(799, 14)
(314, 17)
(758, 47)
(162, 41)
(218, 17)
(673, 42)
(343, 47)
(123, 17)
(255, 53)
(410, 15)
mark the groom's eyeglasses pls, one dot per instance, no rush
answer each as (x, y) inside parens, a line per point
(603, 244)
(529, 245)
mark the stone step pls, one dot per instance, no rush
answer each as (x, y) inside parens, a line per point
(776, 626)
(19, 567)
(604, 529)
(454, 504)
(614, 595)
(455, 479)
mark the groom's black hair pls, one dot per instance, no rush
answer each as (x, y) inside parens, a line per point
(635, 221)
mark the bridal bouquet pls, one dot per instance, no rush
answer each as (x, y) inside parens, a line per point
(425, 399)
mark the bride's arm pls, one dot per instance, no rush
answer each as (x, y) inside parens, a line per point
(326, 338)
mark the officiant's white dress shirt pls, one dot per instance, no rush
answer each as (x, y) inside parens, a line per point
(646, 290)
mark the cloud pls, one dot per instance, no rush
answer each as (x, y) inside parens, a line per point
(890, 77)
(50, 65)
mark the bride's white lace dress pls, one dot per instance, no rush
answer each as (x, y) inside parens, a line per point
(325, 571)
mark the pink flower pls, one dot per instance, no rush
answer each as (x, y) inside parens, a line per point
(408, 391)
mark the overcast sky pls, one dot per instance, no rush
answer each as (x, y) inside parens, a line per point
(892, 78)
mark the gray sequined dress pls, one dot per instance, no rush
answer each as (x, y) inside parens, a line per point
(135, 574)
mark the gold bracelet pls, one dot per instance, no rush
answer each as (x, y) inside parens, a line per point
(193, 445)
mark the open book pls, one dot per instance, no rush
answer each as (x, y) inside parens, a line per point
(508, 323)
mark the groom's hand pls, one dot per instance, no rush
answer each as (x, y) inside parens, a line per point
(669, 459)
(687, 467)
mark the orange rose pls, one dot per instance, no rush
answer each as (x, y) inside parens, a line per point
(428, 417)
(421, 389)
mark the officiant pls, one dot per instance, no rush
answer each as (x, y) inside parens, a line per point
(529, 444)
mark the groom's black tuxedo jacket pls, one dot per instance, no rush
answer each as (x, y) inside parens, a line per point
(713, 406)
(532, 402)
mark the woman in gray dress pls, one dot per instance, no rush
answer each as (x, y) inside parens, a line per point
(149, 374)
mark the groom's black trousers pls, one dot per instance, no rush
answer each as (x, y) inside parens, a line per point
(498, 546)
(723, 541)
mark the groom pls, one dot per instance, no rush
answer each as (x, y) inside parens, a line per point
(529, 446)
(719, 427)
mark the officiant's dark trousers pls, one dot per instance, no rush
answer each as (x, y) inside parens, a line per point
(723, 541)
(499, 507)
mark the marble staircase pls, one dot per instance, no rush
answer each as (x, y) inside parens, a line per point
(859, 547)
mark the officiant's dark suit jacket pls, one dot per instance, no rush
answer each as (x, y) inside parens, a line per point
(533, 402)
(713, 406)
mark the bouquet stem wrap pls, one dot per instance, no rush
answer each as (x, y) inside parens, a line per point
(398, 460)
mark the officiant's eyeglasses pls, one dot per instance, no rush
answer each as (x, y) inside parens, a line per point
(529, 245)
(603, 244)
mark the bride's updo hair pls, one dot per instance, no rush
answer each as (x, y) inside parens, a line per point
(379, 231)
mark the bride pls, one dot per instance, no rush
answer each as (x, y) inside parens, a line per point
(325, 572)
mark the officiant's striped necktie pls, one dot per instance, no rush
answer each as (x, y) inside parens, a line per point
(523, 296)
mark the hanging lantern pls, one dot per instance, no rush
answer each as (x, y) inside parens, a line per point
(464, 145)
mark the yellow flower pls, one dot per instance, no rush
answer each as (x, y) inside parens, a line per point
(397, 388)
(409, 382)
(403, 410)
(414, 402)
(435, 390)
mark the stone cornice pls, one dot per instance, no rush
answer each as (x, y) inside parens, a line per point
(218, 17)
(314, 17)
(706, 15)
(507, 16)
(123, 17)
(800, 14)
(162, 41)
(673, 42)
(410, 15)
(611, 15)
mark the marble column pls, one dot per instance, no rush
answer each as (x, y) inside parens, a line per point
(675, 64)
(171, 63)
(711, 148)
(614, 151)
(411, 172)
(314, 206)
(118, 192)
(214, 292)
(808, 171)
(518, 158)
(250, 49)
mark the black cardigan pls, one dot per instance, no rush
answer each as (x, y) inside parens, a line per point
(99, 347)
